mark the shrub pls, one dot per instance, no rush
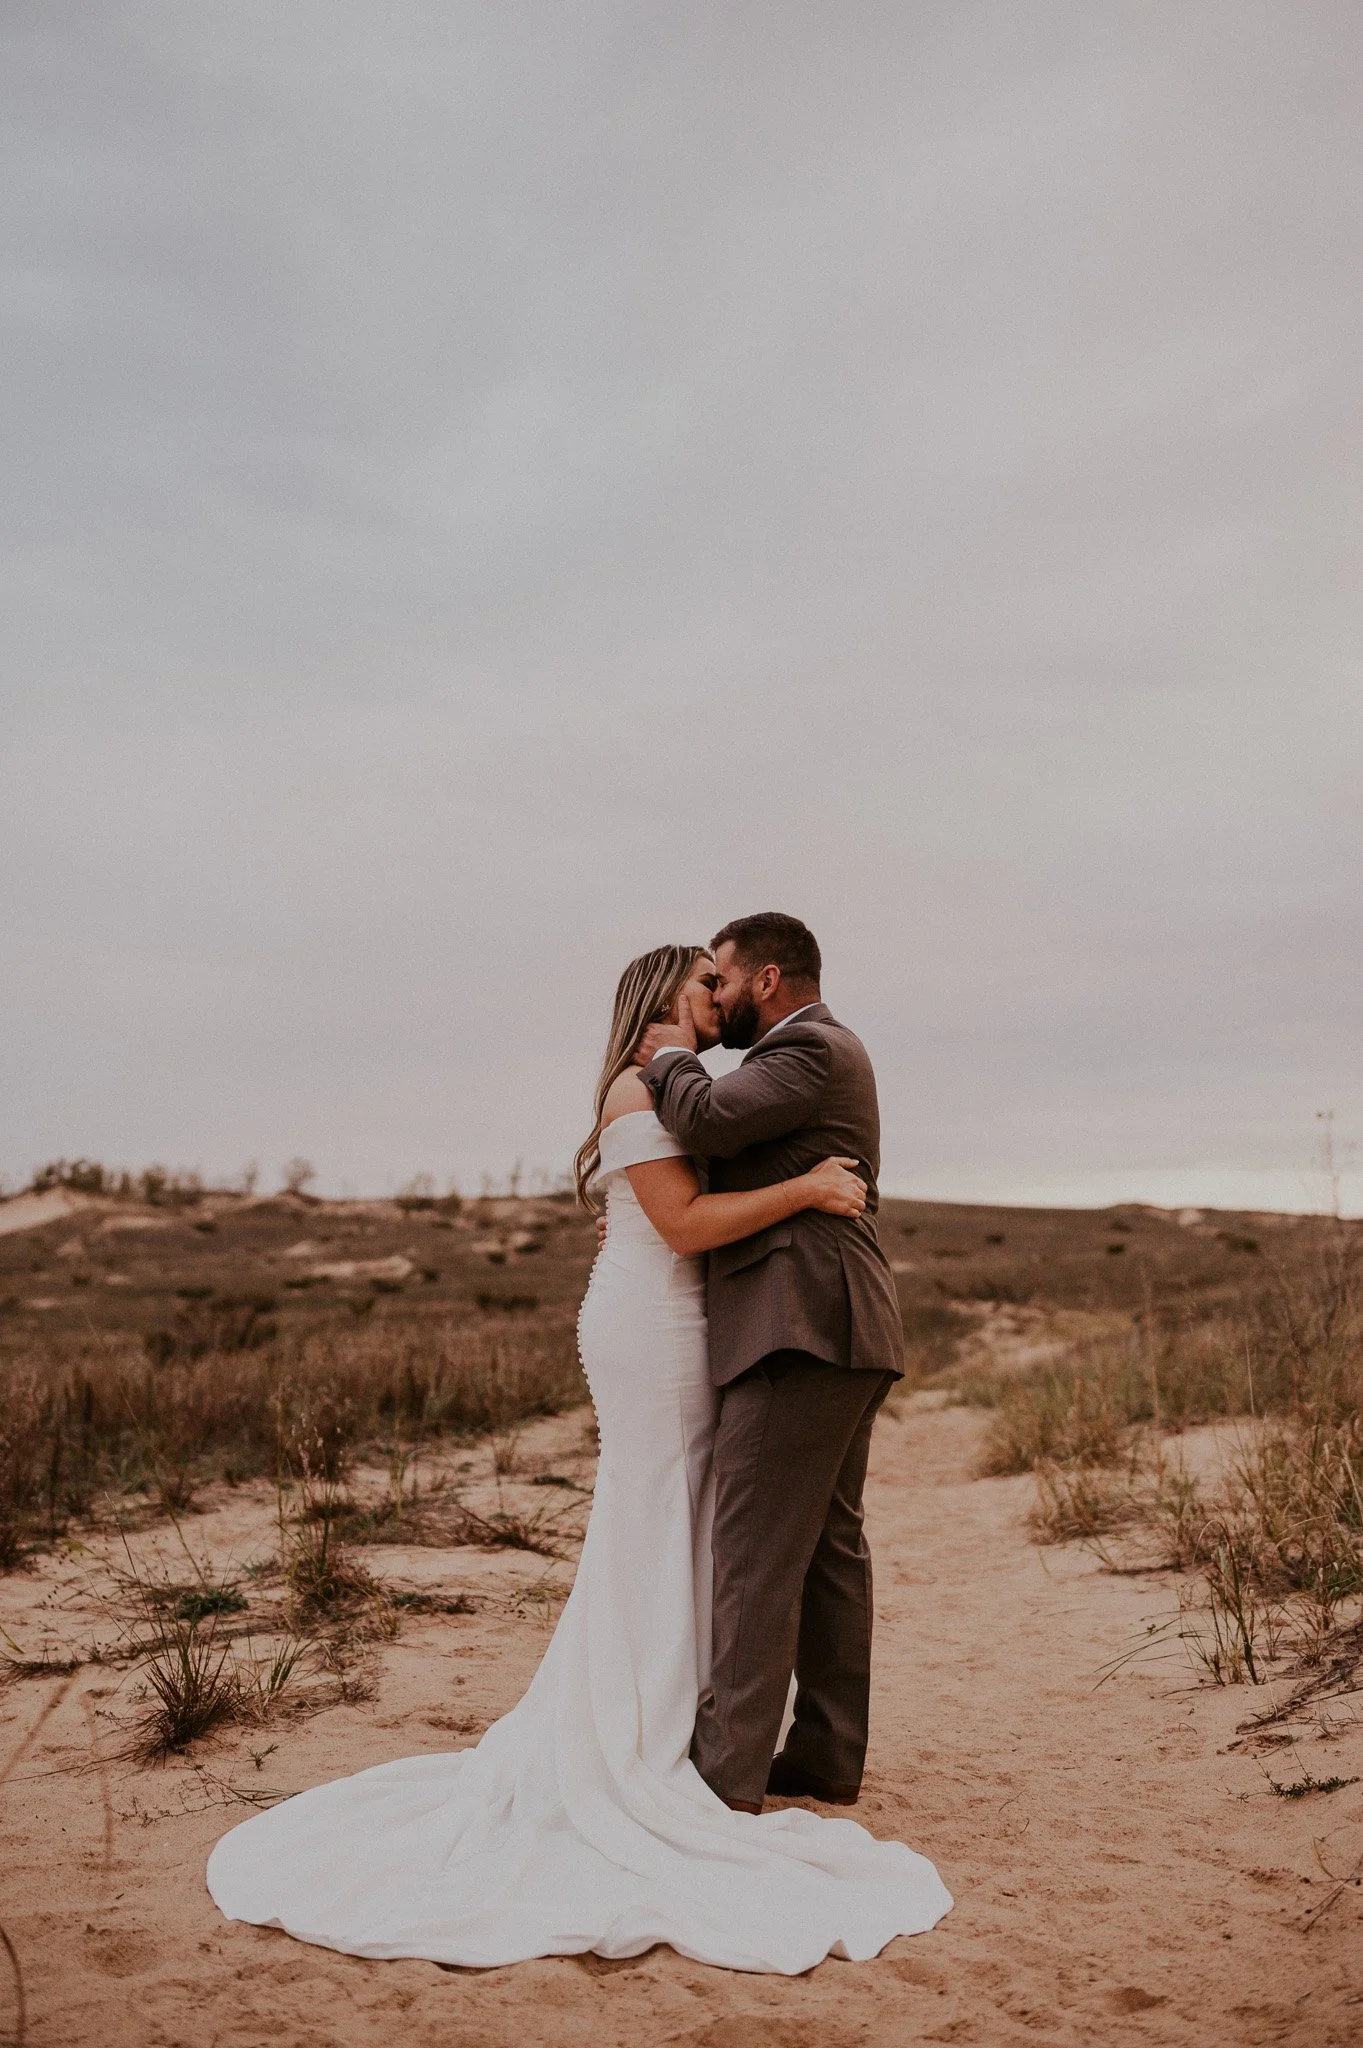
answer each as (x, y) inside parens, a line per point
(82, 1176)
(296, 1174)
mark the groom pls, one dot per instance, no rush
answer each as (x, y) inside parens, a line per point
(805, 1343)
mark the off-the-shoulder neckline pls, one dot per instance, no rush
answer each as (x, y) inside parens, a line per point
(624, 1118)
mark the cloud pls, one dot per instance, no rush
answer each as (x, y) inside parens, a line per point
(491, 491)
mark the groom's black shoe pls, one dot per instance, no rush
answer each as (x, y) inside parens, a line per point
(789, 1781)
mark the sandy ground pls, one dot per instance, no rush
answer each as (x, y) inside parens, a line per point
(1122, 1873)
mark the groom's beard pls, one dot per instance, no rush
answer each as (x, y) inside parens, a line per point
(741, 1023)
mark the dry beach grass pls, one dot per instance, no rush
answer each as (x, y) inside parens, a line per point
(264, 1562)
(1277, 1539)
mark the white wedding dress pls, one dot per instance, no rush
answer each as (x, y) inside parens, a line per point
(579, 1821)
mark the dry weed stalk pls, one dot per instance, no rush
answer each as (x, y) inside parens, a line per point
(506, 1451)
(542, 1532)
(19, 2035)
(325, 1583)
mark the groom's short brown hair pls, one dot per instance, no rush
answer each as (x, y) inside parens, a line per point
(771, 939)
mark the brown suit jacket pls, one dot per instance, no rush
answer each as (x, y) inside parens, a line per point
(816, 1283)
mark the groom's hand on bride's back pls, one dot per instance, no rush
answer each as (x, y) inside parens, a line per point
(682, 1034)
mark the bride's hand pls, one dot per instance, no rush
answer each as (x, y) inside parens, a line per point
(834, 1188)
(682, 1033)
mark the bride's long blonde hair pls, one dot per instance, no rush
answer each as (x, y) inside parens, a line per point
(648, 988)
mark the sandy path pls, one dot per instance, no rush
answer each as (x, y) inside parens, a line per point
(1119, 1875)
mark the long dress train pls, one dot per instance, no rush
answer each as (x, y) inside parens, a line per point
(579, 1822)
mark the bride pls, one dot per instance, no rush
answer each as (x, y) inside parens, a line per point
(579, 1822)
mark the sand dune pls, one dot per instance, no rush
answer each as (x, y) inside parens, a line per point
(1122, 1871)
(32, 1211)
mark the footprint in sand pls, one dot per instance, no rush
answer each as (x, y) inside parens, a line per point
(1130, 1998)
(120, 1951)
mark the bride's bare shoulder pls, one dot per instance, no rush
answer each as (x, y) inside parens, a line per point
(625, 1094)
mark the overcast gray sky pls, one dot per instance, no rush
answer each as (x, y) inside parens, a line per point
(488, 490)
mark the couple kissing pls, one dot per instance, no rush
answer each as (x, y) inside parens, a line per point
(739, 1333)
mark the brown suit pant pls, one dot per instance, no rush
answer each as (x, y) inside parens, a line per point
(792, 1574)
